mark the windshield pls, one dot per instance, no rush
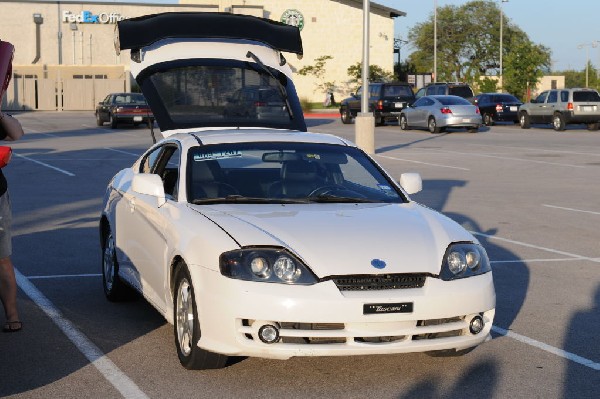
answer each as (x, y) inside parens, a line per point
(285, 173)
(209, 93)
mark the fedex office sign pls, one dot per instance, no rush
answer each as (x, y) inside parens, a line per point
(87, 17)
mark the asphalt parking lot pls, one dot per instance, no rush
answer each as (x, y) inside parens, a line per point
(530, 196)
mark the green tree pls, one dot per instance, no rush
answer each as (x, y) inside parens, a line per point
(525, 64)
(577, 78)
(376, 74)
(465, 51)
(487, 85)
(318, 72)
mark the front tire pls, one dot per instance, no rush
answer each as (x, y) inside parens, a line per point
(99, 121)
(112, 121)
(186, 326)
(524, 120)
(346, 116)
(558, 122)
(114, 289)
(403, 122)
(432, 125)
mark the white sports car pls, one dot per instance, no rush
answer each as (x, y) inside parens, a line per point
(254, 237)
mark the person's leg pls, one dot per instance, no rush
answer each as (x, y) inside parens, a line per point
(8, 289)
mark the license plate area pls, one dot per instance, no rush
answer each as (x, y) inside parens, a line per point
(384, 308)
(137, 118)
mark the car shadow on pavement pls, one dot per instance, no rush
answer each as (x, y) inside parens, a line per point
(511, 281)
(581, 381)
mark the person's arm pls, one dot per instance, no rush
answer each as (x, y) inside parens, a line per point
(11, 127)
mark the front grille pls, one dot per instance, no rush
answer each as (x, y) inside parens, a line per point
(379, 282)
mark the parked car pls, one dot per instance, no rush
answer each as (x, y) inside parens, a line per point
(118, 108)
(254, 237)
(437, 113)
(562, 107)
(498, 107)
(444, 89)
(386, 100)
(256, 102)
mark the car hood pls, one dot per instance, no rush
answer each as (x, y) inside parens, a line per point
(341, 239)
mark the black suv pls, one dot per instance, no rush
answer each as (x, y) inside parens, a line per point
(386, 100)
(456, 89)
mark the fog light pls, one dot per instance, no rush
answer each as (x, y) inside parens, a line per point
(268, 334)
(476, 325)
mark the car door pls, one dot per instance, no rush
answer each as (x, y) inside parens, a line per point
(354, 101)
(550, 106)
(104, 108)
(147, 228)
(537, 108)
(420, 111)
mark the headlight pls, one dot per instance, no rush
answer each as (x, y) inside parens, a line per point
(464, 260)
(271, 265)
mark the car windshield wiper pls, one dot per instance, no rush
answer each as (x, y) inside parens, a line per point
(340, 199)
(240, 199)
(282, 89)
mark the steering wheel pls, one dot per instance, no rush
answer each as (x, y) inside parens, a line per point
(334, 188)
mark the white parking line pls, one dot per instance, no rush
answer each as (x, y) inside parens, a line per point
(570, 209)
(538, 149)
(514, 159)
(62, 276)
(551, 349)
(524, 244)
(422, 163)
(103, 364)
(495, 262)
(45, 164)
(121, 151)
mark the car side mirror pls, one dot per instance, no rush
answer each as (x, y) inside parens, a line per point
(149, 184)
(411, 182)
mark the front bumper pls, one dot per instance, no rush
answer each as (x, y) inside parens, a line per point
(319, 320)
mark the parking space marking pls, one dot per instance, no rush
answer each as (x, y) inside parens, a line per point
(513, 159)
(537, 149)
(545, 347)
(121, 151)
(63, 276)
(570, 209)
(422, 163)
(495, 262)
(45, 164)
(103, 364)
(524, 244)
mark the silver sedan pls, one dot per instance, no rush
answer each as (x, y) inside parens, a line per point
(436, 113)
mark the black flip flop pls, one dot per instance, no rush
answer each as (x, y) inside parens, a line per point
(12, 326)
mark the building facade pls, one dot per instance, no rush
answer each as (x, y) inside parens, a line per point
(65, 57)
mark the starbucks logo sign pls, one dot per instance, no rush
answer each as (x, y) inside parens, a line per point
(294, 18)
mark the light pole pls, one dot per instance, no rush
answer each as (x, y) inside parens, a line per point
(501, 44)
(434, 41)
(587, 58)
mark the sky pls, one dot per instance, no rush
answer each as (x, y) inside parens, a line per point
(557, 24)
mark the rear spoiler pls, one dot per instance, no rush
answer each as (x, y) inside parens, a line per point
(136, 33)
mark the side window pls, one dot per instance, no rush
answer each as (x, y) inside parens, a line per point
(553, 97)
(542, 97)
(150, 160)
(420, 102)
(420, 93)
(359, 92)
(564, 96)
(166, 166)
